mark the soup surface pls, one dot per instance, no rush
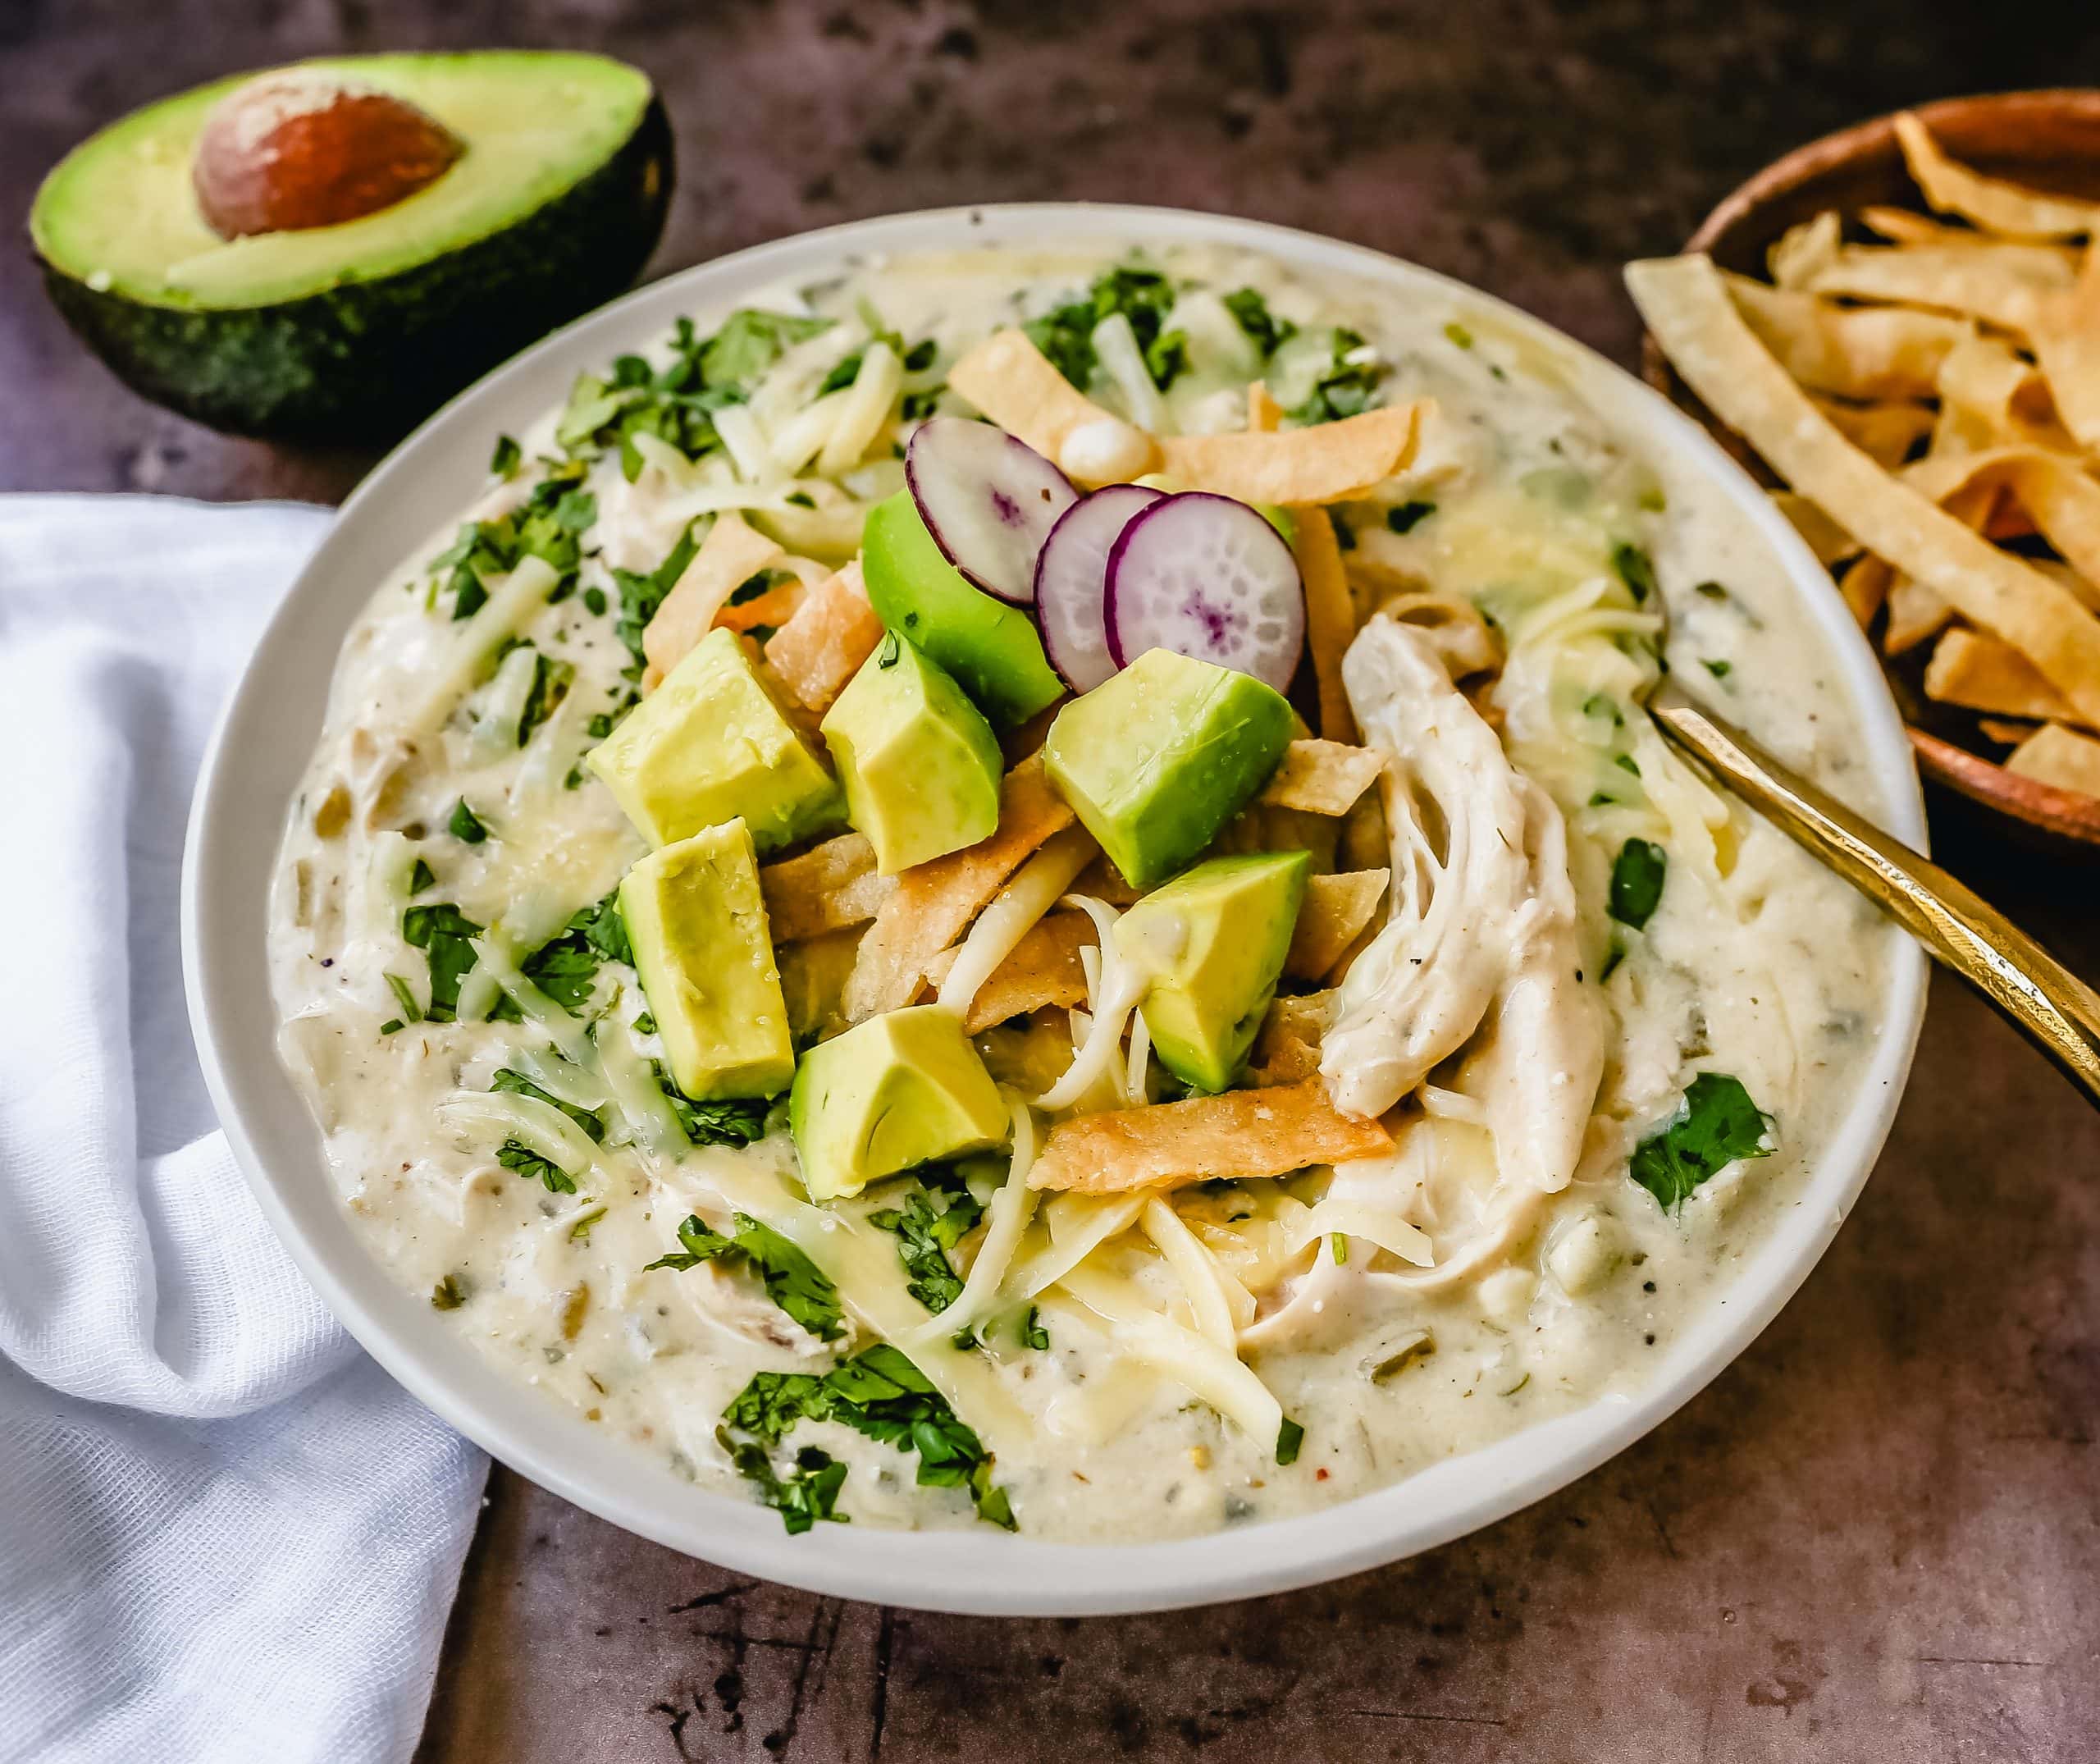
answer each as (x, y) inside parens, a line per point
(1597, 1019)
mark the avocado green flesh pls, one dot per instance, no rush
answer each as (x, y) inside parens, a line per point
(919, 764)
(1155, 760)
(709, 745)
(703, 950)
(1214, 940)
(900, 1089)
(990, 647)
(354, 332)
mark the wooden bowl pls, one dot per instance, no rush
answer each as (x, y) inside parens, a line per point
(2050, 139)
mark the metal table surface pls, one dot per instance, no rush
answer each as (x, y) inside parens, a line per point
(1873, 1539)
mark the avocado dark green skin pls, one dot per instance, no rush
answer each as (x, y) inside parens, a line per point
(365, 362)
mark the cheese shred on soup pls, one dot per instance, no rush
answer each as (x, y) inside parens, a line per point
(727, 966)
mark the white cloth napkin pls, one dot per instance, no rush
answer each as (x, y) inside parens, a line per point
(225, 1534)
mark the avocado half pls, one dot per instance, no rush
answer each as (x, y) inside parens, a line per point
(355, 331)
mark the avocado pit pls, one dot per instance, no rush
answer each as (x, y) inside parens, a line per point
(302, 149)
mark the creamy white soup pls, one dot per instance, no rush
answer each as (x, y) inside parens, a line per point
(794, 1085)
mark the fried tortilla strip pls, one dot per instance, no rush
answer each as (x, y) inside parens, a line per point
(1043, 971)
(1995, 204)
(812, 978)
(1989, 396)
(1886, 433)
(1336, 909)
(1104, 881)
(1907, 226)
(1830, 543)
(1982, 674)
(2016, 286)
(933, 902)
(818, 650)
(1322, 777)
(1917, 613)
(1869, 353)
(730, 556)
(2069, 350)
(1013, 382)
(1287, 1049)
(1804, 248)
(828, 888)
(2005, 734)
(1264, 415)
(1239, 1135)
(2054, 754)
(1865, 588)
(1330, 615)
(1687, 308)
(2061, 501)
(1329, 462)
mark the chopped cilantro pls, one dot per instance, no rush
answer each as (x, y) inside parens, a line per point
(465, 825)
(1032, 1334)
(641, 595)
(448, 1294)
(442, 931)
(644, 1023)
(405, 996)
(420, 876)
(1458, 335)
(1143, 296)
(549, 525)
(549, 685)
(504, 461)
(392, 1026)
(512, 1155)
(1344, 388)
(935, 1217)
(1263, 328)
(1712, 591)
(1627, 763)
(729, 1121)
(808, 1493)
(793, 1281)
(594, 600)
(1289, 1438)
(1635, 569)
(517, 1083)
(1720, 669)
(1636, 881)
(1603, 704)
(1717, 1124)
(1409, 515)
(751, 341)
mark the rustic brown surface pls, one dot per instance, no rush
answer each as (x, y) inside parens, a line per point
(1874, 1538)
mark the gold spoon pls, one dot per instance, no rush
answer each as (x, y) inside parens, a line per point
(2046, 1002)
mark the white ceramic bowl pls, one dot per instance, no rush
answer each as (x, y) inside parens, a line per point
(271, 725)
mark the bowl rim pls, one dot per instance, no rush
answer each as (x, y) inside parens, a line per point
(2065, 815)
(260, 747)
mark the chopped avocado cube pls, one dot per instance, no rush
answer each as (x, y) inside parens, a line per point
(696, 922)
(918, 763)
(709, 746)
(1160, 756)
(1213, 940)
(990, 647)
(899, 1090)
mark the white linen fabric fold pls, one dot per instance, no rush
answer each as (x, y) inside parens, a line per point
(226, 1535)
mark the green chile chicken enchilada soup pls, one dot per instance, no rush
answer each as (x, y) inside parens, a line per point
(1032, 889)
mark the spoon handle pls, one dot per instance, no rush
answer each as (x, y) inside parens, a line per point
(2045, 1001)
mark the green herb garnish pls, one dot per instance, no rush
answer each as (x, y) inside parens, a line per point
(793, 1281)
(1635, 569)
(936, 1216)
(1409, 515)
(1717, 1124)
(1636, 881)
(1289, 1436)
(465, 825)
(504, 461)
(442, 932)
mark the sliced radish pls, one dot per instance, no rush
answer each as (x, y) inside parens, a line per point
(988, 500)
(1071, 582)
(1206, 577)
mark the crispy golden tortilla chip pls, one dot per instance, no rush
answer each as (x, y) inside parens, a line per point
(1995, 204)
(727, 557)
(2069, 350)
(2006, 734)
(1330, 615)
(1687, 308)
(1865, 588)
(1240, 1135)
(821, 647)
(1322, 777)
(1830, 543)
(1329, 462)
(813, 981)
(2016, 286)
(1869, 353)
(1287, 1049)
(1803, 249)
(1887, 433)
(1264, 415)
(826, 888)
(2061, 501)
(1916, 615)
(1982, 674)
(1043, 971)
(1013, 382)
(1907, 226)
(2054, 754)
(932, 903)
(1336, 909)
(1990, 396)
